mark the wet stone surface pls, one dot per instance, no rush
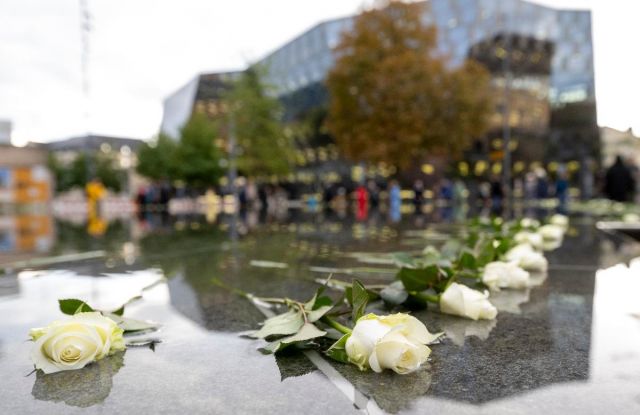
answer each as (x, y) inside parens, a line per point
(568, 345)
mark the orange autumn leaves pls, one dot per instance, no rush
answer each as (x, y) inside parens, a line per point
(393, 99)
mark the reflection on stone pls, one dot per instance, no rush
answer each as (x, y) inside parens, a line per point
(391, 392)
(82, 388)
(293, 364)
(548, 343)
(9, 285)
(508, 301)
(536, 279)
(457, 328)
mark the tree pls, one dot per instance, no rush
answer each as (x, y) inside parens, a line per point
(197, 158)
(392, 98)
(111, 177)
(83, 168)
(156, 160)
(263, 147)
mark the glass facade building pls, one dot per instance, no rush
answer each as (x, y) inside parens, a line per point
(552, 95)
(551, 106)
(461, 24)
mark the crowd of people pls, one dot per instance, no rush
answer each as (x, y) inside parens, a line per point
(617, 183)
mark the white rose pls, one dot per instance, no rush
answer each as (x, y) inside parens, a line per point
(550, 245)
(529, 223)
(501, 274)
(394, 351)
(396, 342)
(74, 343)
(526, 257)
(551, 232)
(560, 220)
(534, 239)
(461, 300)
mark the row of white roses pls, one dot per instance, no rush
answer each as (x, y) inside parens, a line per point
(513, 272)
(399, 342)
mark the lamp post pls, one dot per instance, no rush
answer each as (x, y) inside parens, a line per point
(506, 125)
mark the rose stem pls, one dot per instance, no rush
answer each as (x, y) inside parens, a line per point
(332, 323)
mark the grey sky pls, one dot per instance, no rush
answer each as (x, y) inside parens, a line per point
(142, 50)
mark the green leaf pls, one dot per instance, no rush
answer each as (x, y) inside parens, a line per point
(485, 252)
(120, 311)
(280, 325)
(307, 332)
(317, 300)
(402, 259)
(420, 279)
(467, 260)
(360, 298)
(130, 324)
(394, 293)
(338, 350)
(73, 306)
(317, 314)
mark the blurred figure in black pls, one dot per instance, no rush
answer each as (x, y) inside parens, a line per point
(497, 194)
(374, 194)
(619, 183)
(418, 195)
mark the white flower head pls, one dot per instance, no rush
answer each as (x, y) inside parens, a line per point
(74, 343)
(529, 223)
(526, 257)
(551, 232)
(463, 301)
(534, 239)
(559, 220)
(500, 274)
(397, 342)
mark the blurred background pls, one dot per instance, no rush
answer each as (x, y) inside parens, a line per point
(121, 118)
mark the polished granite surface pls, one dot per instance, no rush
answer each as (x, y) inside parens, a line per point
(569, 345)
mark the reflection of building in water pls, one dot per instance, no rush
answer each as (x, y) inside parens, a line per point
(25, 236)
(24, 176)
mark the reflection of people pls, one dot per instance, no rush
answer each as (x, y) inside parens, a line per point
(82, 388)
(619, 183)
(562, 187)
(395, 201)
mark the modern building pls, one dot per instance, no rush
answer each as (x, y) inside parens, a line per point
(551, 107)
(5, 132)
(24, 176)
(121, 150)
(200, 95)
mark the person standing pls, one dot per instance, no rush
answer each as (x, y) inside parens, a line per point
(619, 183)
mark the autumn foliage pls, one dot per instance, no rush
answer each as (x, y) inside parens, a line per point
(394, 99)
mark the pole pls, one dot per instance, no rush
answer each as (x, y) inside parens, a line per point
(232, 175)
(506, 125)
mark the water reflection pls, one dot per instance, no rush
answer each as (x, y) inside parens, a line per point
(541, 337)
(82, 388)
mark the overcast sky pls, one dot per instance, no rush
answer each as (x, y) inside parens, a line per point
(142, 50)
